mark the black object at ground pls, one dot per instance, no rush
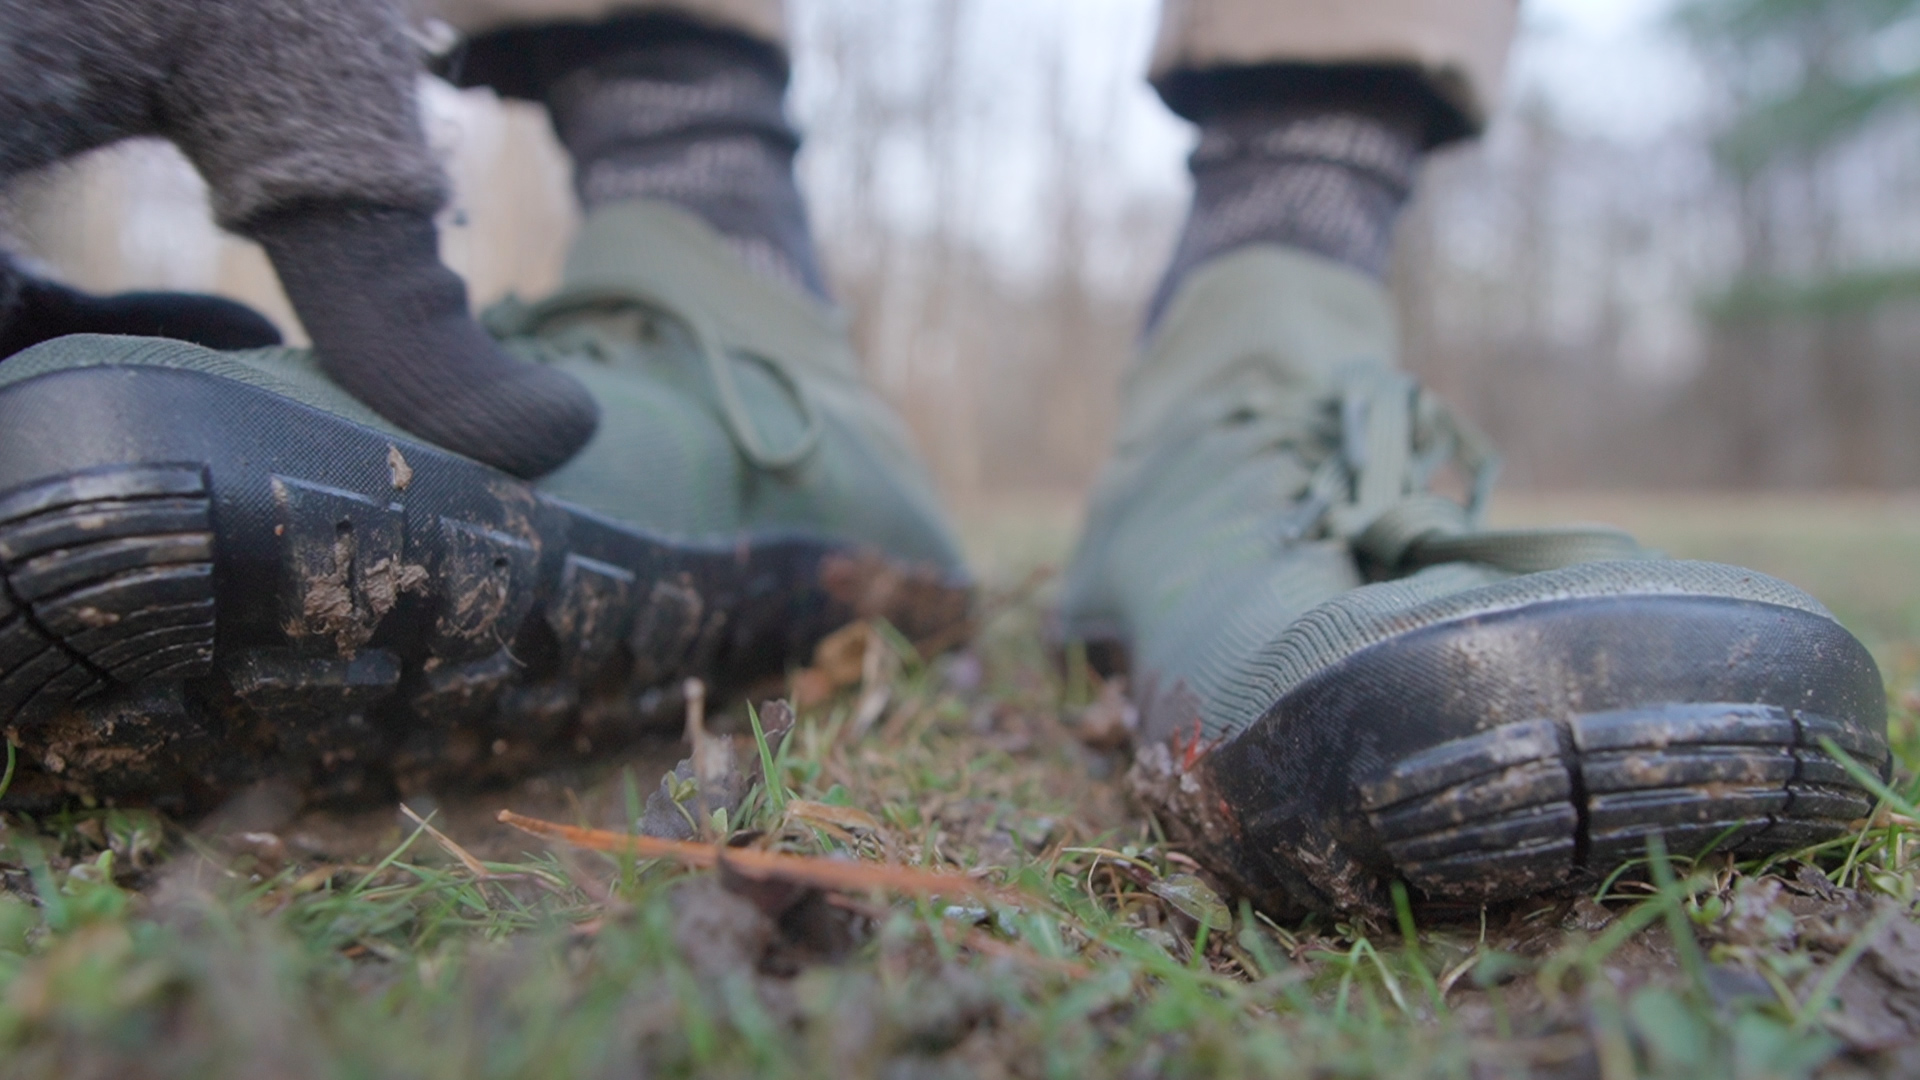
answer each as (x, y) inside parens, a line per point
(1434, 756)
(205, 583)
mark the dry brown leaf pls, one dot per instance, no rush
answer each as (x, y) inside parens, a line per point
(835, 874)
(878, 666)
(811, 687)
(315, 878)
(841, 655)
(838, 662)
(850, 818)
(1108, 723)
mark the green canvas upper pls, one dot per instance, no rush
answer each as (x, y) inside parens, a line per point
(739, 394)
(1267, 509)
(730, 403)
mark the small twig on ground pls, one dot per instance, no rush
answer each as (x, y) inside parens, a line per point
(834, 874)
(474, 866)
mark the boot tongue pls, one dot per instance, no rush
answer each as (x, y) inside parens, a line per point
(1264, 319)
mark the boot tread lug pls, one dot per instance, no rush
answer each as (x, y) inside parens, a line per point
(1526, 827)
(108, 574)
(1747, 778)
(1461, 759)
(1658, 727)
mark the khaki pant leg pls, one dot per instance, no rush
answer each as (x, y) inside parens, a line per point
(1460, 46)
(764, 20)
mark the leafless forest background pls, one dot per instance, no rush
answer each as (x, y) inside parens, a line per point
(1733, 304)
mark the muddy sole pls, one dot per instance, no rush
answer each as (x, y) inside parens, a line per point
(1537, 750)
(206, 583)
(1489, 816)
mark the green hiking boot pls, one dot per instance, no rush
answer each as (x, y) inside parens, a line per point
(217, 566)
(1343, 679)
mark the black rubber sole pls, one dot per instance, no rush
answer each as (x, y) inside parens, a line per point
(205, 583)
(1539, 749)
(1490, 815)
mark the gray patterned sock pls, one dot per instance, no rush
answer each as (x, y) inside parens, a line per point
(694, 118)
(1325, 176)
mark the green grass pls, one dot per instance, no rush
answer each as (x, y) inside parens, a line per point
(132, 947)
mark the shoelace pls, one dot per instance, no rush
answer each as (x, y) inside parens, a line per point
(512, 318)
(1380, 439)
(1394, 436)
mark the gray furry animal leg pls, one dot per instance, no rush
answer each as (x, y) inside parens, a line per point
(301, 116)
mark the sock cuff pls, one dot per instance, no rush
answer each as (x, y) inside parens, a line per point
(1389, 152)
(595, 111)
(696, 118)
(686, 170)
(1326, 172)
